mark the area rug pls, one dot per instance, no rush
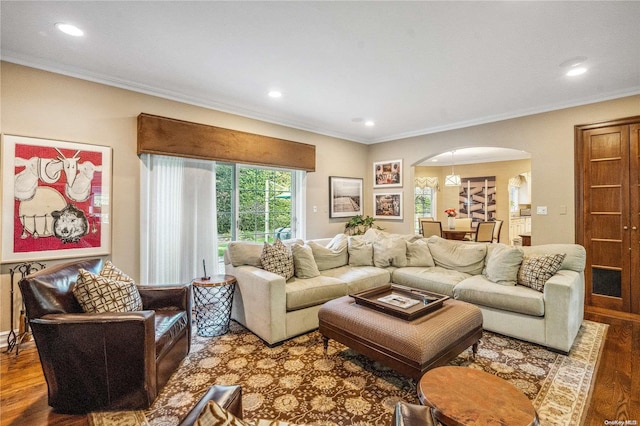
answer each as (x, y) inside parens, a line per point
(297, 382)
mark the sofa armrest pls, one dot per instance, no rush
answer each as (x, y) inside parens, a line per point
(227, 397)
(563, 308)
(92, 361)
(260, 302)
(166, 296)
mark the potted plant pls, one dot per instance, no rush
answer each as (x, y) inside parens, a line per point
(359, 224)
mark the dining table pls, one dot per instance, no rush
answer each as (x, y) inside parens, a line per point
(457, 233)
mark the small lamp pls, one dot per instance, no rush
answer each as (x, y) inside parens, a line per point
(452, 179)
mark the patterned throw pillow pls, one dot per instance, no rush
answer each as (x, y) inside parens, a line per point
(278, 259)
(535, 271)
(97, 293)
(110, 271)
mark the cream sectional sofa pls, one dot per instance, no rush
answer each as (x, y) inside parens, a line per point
(275, 308)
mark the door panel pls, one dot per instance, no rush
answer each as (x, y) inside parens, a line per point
(634, 178)
(606, 189)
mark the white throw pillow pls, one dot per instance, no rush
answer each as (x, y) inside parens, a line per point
(502, 264)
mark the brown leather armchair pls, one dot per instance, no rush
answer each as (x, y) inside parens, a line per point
(108, 361)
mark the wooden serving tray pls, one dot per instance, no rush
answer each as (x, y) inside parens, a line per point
(400, 301)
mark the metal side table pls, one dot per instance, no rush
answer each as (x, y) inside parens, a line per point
(213, 298)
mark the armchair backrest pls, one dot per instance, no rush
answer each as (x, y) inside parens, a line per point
(49, 291)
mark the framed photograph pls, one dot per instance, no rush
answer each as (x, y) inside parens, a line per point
(345, 196)
(387, 205)
(56, 199)
(387, 174)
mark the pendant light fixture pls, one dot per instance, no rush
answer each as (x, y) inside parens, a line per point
(452, 179)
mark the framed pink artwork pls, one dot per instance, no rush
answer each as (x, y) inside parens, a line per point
(56, 199)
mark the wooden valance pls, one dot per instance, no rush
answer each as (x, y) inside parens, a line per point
(168, 136)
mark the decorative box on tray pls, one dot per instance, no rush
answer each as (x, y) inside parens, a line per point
(403, 302)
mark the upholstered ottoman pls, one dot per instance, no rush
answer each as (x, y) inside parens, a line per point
(409, 347)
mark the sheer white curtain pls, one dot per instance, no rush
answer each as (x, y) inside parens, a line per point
(178, 226)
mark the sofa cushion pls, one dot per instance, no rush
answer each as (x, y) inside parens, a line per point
(418, 254)
(302, 293)
(435, 279)
(169, 324)
(359, 278)
(391, 251)
(461, 256)
(480, 291)
(334, 255)
(360, 251)
(535, 271)
(304, 265)
(96, 293)
(277, 258)
(502, 264)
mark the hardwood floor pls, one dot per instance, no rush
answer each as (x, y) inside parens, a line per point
(616, 395)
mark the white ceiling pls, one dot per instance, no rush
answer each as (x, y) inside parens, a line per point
(412, 67)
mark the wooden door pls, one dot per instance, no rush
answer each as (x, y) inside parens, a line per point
(608, 212)
(606, 207)
(634, 175)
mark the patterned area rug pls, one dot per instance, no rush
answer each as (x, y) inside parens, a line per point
(298, 383)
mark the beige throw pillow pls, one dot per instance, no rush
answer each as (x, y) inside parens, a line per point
(304, 265)
(277, 258)
(390, 252)
(418, 254)
(458, 255)
(502, 264)
(360, 251)
(334, 255)
(536, 270)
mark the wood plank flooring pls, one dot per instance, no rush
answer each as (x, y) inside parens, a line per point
(616, 395)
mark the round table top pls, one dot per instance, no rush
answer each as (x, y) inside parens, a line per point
(466, 396)
(214, 280)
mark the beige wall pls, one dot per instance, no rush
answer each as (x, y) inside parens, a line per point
(51, 106)
(548, 137)
(447, 196)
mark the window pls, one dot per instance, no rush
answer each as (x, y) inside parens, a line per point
(424, 205)
(262, 209)
(191, 209)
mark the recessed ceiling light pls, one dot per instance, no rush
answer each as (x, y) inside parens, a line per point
(573, 62)
(275, 94)
(369, 123)
(576, 71)
(69, 29)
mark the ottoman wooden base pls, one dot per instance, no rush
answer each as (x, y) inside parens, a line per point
(409, 347)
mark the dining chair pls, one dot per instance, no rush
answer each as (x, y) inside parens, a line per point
(484, 232)
(464, 222)
(496, 231)
(430, 228)
(424, 219)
